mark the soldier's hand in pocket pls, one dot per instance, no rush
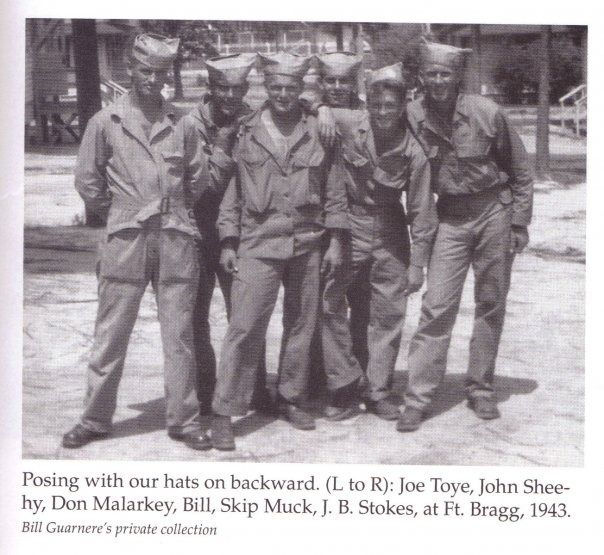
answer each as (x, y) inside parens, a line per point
(520, 238)
(415, 279)
(228, 260)
(334, 256)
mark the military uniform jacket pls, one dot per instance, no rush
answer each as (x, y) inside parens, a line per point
(128, 177)
(278, 205)
(373, 180)
(481, 151)
(206, 208)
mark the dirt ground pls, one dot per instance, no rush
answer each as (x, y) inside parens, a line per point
(540, 376)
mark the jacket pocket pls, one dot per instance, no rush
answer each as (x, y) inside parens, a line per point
(178, 256)
(306, 181)
(357, 171)
(255, 173)
(473, 145)
(173, 162)
(173, 170)
(122, 256)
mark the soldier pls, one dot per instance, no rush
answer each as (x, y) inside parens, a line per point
(217, 118)
(339, 86)
(339, 80)
(142, 169)
(381, 160)
(271, 224)
(484, 188)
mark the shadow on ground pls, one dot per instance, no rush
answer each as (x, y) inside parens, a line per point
(452, 392)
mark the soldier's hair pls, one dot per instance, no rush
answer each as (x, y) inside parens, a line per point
(271, 76)
(382, 86)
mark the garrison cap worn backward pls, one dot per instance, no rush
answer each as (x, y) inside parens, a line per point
(443, 55)
(230, 70)
(339, 64)
(155, 51)
(284, 63)
(389, 74)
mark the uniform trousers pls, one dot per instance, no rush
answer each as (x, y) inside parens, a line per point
(358, 295)
(254, 295)
(483, 242)
(118, 306)
(211, 271)
(375, 277)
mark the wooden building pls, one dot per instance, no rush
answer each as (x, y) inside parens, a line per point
(50, 93)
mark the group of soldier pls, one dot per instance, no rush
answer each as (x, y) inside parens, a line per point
(344, 203)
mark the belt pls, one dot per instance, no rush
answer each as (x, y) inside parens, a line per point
(469, 205)
(373, 209)
(164, 204)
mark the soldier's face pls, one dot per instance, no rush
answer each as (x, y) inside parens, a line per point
(228, 99)
(386, 108)
(337, 91)
(283, 92)
(441, 83)
(147, 81)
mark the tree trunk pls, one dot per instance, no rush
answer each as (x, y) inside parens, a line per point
(542, 138)
(88, 82)
(88, 79)
(176, 67)
(339, 36)
(477, 46)
(358, 27)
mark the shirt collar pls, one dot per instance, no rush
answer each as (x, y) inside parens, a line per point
(123, 105)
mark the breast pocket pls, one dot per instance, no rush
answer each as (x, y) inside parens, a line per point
(357, 170)
(174, 169)
(307, 178)
(472, 144)
(257, 191)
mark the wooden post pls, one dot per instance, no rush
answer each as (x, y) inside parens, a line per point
(339, 36)
(542, 136)
(477, 47)
(88, 79)
(88, 82)
(360, 52)
(584, 48)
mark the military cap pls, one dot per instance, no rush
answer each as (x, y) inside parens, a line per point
(230, 70)
(442, 55)
(392, 74)
(155, 51)
(339, 64)
(284, 63)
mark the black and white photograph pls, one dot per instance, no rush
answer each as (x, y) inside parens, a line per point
(304, 242)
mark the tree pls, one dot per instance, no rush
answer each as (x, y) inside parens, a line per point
(542, 139)
(88, 79)
(518, 72)
(88, 82)
(196, 39)
(395, 42)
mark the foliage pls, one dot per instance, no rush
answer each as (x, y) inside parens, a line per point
(519, 70)
(395, 42)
